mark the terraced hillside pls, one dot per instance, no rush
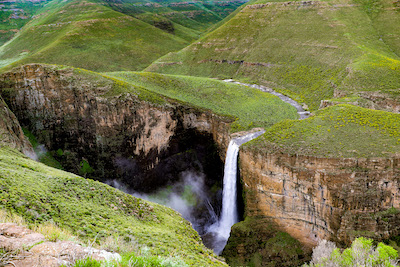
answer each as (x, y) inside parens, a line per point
(310, 50)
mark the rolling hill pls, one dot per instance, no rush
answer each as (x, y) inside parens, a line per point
(15, 14)
(109, 36)
(88, 35)
(309, 50)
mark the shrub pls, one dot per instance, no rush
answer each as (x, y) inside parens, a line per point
(361, 253)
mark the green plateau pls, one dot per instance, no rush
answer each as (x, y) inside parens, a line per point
(340, 131)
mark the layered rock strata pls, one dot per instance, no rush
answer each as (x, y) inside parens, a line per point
(11, 133)
(119, 136)
(323, 198)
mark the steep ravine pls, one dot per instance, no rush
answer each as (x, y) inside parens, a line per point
(11, 133)
(144, 144)
(119, 137)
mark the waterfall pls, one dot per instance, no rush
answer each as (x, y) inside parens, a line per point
(229, 215)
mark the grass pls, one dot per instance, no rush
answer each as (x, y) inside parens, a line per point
(106, 36)
(251, 107)
(256, 240)
(93, 211)
(308, 52)
(50, 230)
(88, 35)
(43, 155)
(338, 131)
(185, 20)
(10, 25)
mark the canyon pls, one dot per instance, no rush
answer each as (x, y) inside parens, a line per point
(144, 144)
(116, 136)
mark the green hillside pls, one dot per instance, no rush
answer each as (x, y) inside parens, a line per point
(15, 14)
(251, 107)
(187, 20)
(338, 131)
(94, 211)
(88, 35)
(308, 50)
(104, 35)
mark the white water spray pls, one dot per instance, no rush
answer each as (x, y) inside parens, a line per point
(229, 214)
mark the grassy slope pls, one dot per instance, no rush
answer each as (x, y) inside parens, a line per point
(252, 107)
(88, 35)
(308, 51)
(12, 21)
(338, 131)
(94, 210)
(188, 19)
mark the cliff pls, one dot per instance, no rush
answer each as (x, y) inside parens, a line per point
(11, 133)
(95, 130)
(323, 198)
(332, 176)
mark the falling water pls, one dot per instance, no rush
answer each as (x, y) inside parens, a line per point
(229, 215)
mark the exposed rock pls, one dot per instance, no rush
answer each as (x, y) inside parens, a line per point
(27, 248)
(11, 133)
(323, 198)
(366, 99)
(120, 137)
(257, 242)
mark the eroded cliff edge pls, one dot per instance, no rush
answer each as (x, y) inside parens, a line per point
(11, 133)
(83, 117)
(315, 198)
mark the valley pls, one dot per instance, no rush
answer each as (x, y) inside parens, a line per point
(109, 106)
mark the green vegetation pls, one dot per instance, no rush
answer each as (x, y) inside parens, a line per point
(338, 131)
(361, 253)
(14, 15)
(255, 241)
(187, 20)
(105, 35)
(251, 107)
(88, 35)
(43, 155)
(94, 211)
(305, 50)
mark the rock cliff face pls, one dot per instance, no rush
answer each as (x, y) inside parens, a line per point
(11, 133)
(323, 198)
(111, 136)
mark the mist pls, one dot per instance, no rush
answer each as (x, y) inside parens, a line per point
(189, 196)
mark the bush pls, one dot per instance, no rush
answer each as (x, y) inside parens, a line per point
(361, 253)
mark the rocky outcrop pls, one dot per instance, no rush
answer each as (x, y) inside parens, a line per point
(367, 99)
(26, 248)
(11, 133)
(323, 198)
(107, 136)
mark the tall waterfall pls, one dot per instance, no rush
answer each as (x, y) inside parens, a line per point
(229, 214)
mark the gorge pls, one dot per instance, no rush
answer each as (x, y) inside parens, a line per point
(134, 120)
(308, 197)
